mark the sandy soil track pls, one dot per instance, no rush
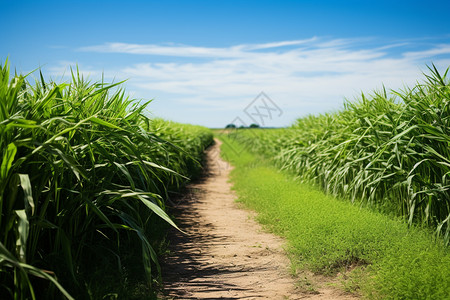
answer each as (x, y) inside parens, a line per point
(225, 254)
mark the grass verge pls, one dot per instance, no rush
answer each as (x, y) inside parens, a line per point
(380, 257)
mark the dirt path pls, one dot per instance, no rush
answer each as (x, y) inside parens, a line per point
(225, 254)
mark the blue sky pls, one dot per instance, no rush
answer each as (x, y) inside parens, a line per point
(204, 62)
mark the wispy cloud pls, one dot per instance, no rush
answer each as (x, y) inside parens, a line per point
(303, 76)
(188, 51)
(429, 53)
(175, 50)
(277, 44)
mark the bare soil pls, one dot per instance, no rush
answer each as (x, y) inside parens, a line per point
(225, 254)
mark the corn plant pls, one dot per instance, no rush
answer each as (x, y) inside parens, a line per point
(389, 151)
(81, 166)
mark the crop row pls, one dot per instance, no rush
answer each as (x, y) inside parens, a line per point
(84, 175)
(388, 150)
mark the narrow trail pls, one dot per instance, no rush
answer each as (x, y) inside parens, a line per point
(225, 254)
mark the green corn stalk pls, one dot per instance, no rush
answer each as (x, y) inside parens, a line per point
(390, 151)
(81, 164)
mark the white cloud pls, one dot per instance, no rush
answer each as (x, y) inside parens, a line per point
(303, 76)
(189, 51)
(438, 50)
(176, 50)
(278, 44)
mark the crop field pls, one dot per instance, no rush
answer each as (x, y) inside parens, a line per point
(84, 175)
(369, 254)
(363, 192)
(388, 151)
(282, 150)
(87, 183)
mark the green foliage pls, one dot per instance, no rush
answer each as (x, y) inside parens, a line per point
(381, 257)
(385, 151)
(83, 173)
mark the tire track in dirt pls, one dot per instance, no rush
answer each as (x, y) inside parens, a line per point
(225, 254)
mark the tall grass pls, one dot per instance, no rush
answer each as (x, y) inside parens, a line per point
(390, 151)
(83, 171)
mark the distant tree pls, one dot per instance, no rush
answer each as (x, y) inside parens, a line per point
(242, 126)
(254, 125)
(230, 126)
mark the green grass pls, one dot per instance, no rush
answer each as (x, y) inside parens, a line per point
(326, 235)
(84, 176)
